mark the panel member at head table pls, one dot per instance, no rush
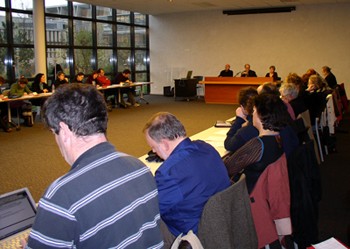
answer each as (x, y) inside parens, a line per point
(108, 199)
(247, 72)
(227, 72)
(192, 172)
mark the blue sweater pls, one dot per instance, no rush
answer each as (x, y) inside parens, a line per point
(192, 173)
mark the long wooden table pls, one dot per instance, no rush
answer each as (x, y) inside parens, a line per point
(224, 90)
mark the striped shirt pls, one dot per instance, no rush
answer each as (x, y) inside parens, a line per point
(107, 200)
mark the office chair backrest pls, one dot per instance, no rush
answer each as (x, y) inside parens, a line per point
(227, 221)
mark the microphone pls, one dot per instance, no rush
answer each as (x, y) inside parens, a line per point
(237, 73)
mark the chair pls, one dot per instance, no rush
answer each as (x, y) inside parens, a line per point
(227, 221)
(307, 122)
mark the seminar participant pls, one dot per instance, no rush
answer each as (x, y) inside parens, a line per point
(247, 72)
(192, 172)
(123, 77)
(108, 199)
(272, 73)
(227, 72)
(329, 77)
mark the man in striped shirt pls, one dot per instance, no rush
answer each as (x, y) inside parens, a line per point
(108, 199)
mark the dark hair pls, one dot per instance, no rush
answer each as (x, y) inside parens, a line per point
(245, 97)
(80, 74)
(164, 125)
(272, 112)
(99, 70)
(127, 71)
(37, 78)
(22, 80)
(81, 107)
(270, 88)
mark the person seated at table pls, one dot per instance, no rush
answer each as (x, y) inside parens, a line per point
(272, 73)
(234, 139)
(247, 72)
(3, 110)
(270, 116)
(298, 104)
(102, 79)
(60, 80)
(39, 86)
(191, 173)
(79, 78)
(18, 90)
(315, 97)
(227, 72)
(123, 77)
(329, 77)
(92, 78)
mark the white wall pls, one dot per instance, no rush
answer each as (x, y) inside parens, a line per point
(310, 37)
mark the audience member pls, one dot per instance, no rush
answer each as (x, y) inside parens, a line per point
(60, 80)
(103, 80)
(108, 199)
(3, 110)
(271, 198)
(272, 73)
(92, 78)
(307, 75)
(298, 81)
(18, 90)
(242, 129)
(329, 77)
(79, 78)
(298, 103)
(123, 77)
(227, 72)
(268, 87)
(315, 97)
(247, 72)
(192, 172)
(40, 85)
(289, 93)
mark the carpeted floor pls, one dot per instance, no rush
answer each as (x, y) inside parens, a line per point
(30, 157)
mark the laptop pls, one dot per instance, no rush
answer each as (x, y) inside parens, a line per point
(17, 214)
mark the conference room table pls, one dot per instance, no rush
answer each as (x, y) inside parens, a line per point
(35, 95)
(214, 136)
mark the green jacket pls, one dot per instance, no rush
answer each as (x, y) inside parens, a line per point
(16, 90)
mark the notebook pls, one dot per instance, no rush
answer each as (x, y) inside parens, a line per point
(17, 214)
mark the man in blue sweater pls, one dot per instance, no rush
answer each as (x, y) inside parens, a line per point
(192, 172)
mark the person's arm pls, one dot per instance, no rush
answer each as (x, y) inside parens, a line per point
(169, 193)
(53, 227)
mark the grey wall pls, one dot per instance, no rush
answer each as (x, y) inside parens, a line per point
(310, 37)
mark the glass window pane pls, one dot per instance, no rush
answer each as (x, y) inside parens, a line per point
(104, 60)
(140, 19)
(141, 77)
(56, 31)
(3, 52)
(124, 59)
(82, 33)
(123, 16)
(104, 13)
(83, 61)
(2, 3)
(22, 28)
(24, 62)
(54, 7)
(140, 60)
(140, 37)
(123, 36)
(3, 33)
(56, 56)
(22, 5)
(104, 34)
(82, 10)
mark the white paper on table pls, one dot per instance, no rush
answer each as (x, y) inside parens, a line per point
(331, 243)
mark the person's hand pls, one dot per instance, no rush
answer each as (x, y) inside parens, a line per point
(240, 113)
(23, 243)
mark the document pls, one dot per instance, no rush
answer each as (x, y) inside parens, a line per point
(331, 243)
(221, 123)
